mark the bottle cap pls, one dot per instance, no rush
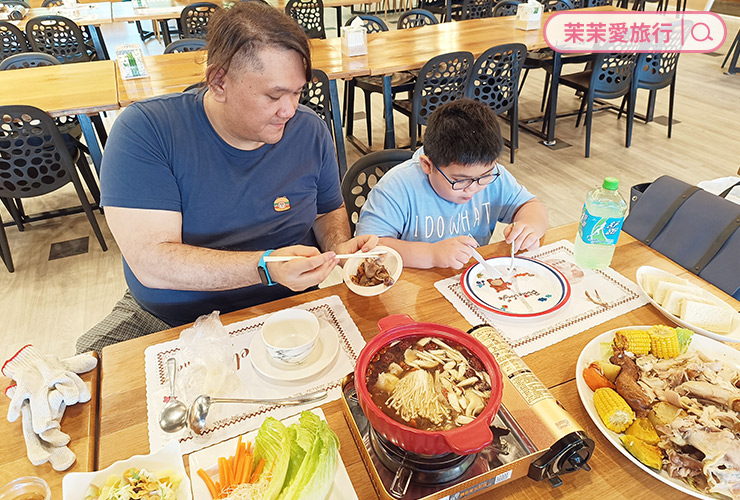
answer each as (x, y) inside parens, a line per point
(611, 183)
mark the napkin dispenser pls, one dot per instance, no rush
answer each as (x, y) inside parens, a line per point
(529, 15)
(354, 39)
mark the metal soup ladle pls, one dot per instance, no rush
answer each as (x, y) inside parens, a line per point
(199, 409)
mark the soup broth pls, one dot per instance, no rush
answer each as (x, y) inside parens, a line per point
(428, 383)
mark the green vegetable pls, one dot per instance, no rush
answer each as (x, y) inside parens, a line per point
(273, 444)
(606, 350)
(684, 338)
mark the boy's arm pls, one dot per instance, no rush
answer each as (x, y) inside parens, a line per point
(531, 224)
(452, 252)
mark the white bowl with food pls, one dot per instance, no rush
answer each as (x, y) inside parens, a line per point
(368, 276)
(162, 469)
(688, 305)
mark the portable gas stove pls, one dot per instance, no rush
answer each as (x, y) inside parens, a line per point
(533, 436)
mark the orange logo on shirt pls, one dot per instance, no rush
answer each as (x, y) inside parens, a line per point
(281, 204)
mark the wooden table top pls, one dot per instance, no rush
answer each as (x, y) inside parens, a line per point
(79, 422)
(87, 14)
(123, 427)
(64, 89)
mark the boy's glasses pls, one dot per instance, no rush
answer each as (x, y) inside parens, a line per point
(462, 184)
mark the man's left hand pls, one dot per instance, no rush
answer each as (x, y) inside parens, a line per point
(366, 242)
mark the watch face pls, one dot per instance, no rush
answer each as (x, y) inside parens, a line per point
(263, 275)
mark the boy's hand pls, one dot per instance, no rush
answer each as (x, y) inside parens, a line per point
(523, 236)
(453, 252)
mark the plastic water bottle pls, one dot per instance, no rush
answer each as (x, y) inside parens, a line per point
(600, 225)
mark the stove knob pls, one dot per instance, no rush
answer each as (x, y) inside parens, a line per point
(568, 454)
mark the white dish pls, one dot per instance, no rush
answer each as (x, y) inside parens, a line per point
(393, 263)
(732, 336)
(592, 352)
(74, 484)
(324, 352)
(207, 459)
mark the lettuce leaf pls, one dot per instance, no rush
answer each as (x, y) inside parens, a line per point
(273, 444)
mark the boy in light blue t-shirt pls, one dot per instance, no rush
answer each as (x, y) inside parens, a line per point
(445, 201)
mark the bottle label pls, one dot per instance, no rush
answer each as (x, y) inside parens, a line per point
(599, 230)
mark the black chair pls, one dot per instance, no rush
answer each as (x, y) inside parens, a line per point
(495, 81)
(185, 45)
(58, 36)
(28, 60)
(34, 160)
(557, 5)
(315, 95)
(362, 177)
(506, 8)
(12, 39)
(598, 3)
(309, 14)
(442, 79)
(400, 82)
(475, 9)
(16, 3)
(610, 78)
(655, 72)
(735, 53)
(414, 18)
(52, 3)
(194, 19)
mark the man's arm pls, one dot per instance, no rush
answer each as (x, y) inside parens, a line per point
(151, 242)
(332, 233)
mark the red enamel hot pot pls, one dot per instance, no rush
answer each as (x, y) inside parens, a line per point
(464, 440)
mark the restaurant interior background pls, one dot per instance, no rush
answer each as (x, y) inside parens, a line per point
(52, 302)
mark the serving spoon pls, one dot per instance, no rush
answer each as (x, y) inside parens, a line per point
(174, 414)
(199, 409)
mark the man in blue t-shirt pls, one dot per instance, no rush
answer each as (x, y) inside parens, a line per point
(199, 187)
(445, 201)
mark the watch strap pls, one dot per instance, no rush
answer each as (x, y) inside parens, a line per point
(263, 272)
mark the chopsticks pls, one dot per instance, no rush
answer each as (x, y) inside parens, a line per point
(286, 258)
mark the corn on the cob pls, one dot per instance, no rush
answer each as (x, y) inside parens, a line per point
(663, 341)
(613, 409)
(635, 341)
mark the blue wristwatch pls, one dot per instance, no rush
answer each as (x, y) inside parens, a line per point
(263, 272)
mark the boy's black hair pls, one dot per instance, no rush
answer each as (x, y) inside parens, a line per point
(463, 131)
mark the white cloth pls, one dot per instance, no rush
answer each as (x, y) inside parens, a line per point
(717, 186)
(226, 421)
(530, 335)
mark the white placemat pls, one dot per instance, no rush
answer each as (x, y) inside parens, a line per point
(228, 420)
(527, 335)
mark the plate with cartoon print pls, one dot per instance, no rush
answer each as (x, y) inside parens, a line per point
(534, 289)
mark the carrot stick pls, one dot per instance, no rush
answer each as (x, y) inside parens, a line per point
(218, 488)
(222, 477)
(247, 471)
(230, 472)
(239, 465)
(258, 471)
(209, 483)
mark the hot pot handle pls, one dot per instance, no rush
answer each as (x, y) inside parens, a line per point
(470, 438)
(394, 320)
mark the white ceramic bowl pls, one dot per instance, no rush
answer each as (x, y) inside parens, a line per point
(393, 263)
(290, 335)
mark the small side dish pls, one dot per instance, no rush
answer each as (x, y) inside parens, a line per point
(372, 272)
(669, 405)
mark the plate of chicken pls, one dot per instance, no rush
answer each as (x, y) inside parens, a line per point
(669, 401)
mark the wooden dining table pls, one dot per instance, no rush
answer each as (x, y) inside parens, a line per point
(66, 89)
(79, 421)
(123, 421)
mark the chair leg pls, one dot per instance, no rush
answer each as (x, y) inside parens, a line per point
(412, 130)
(14, 212)
(99, 128)
(514, 130)
(88, 177)
(350, 120)
(580, 111)
(88, 210)
(524, 78)
(670, 106)
(732, 48)
(344, 103)
(589, 117)
(368, 119)
(621, 107)
(5, 248)
(651, 106)
(544, 92)
(630, 115)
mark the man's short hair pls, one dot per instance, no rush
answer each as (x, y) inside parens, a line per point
(237, 35)
(463, 131)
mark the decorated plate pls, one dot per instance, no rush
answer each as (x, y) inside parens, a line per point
(732, 336)
(533, 283)
(592, 352)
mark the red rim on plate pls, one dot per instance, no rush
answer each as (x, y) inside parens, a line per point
(559, 283)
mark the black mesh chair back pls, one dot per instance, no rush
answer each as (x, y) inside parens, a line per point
(12, 39)
(28, 60)
(315, 95)
(416, 17)
(476, 9)
(58, 36)
(655, 71)
(494, 80)
(598, 3)
(16, 3)
(195, 17)
(612, 75)
(185, 45)
(34, 160)
(372, 24)
(362, 177)
(505, 8)
(309, 14)
(557, 5)
(52, 3)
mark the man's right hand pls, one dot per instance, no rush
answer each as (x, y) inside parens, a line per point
(302, 273)
(453, 252)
